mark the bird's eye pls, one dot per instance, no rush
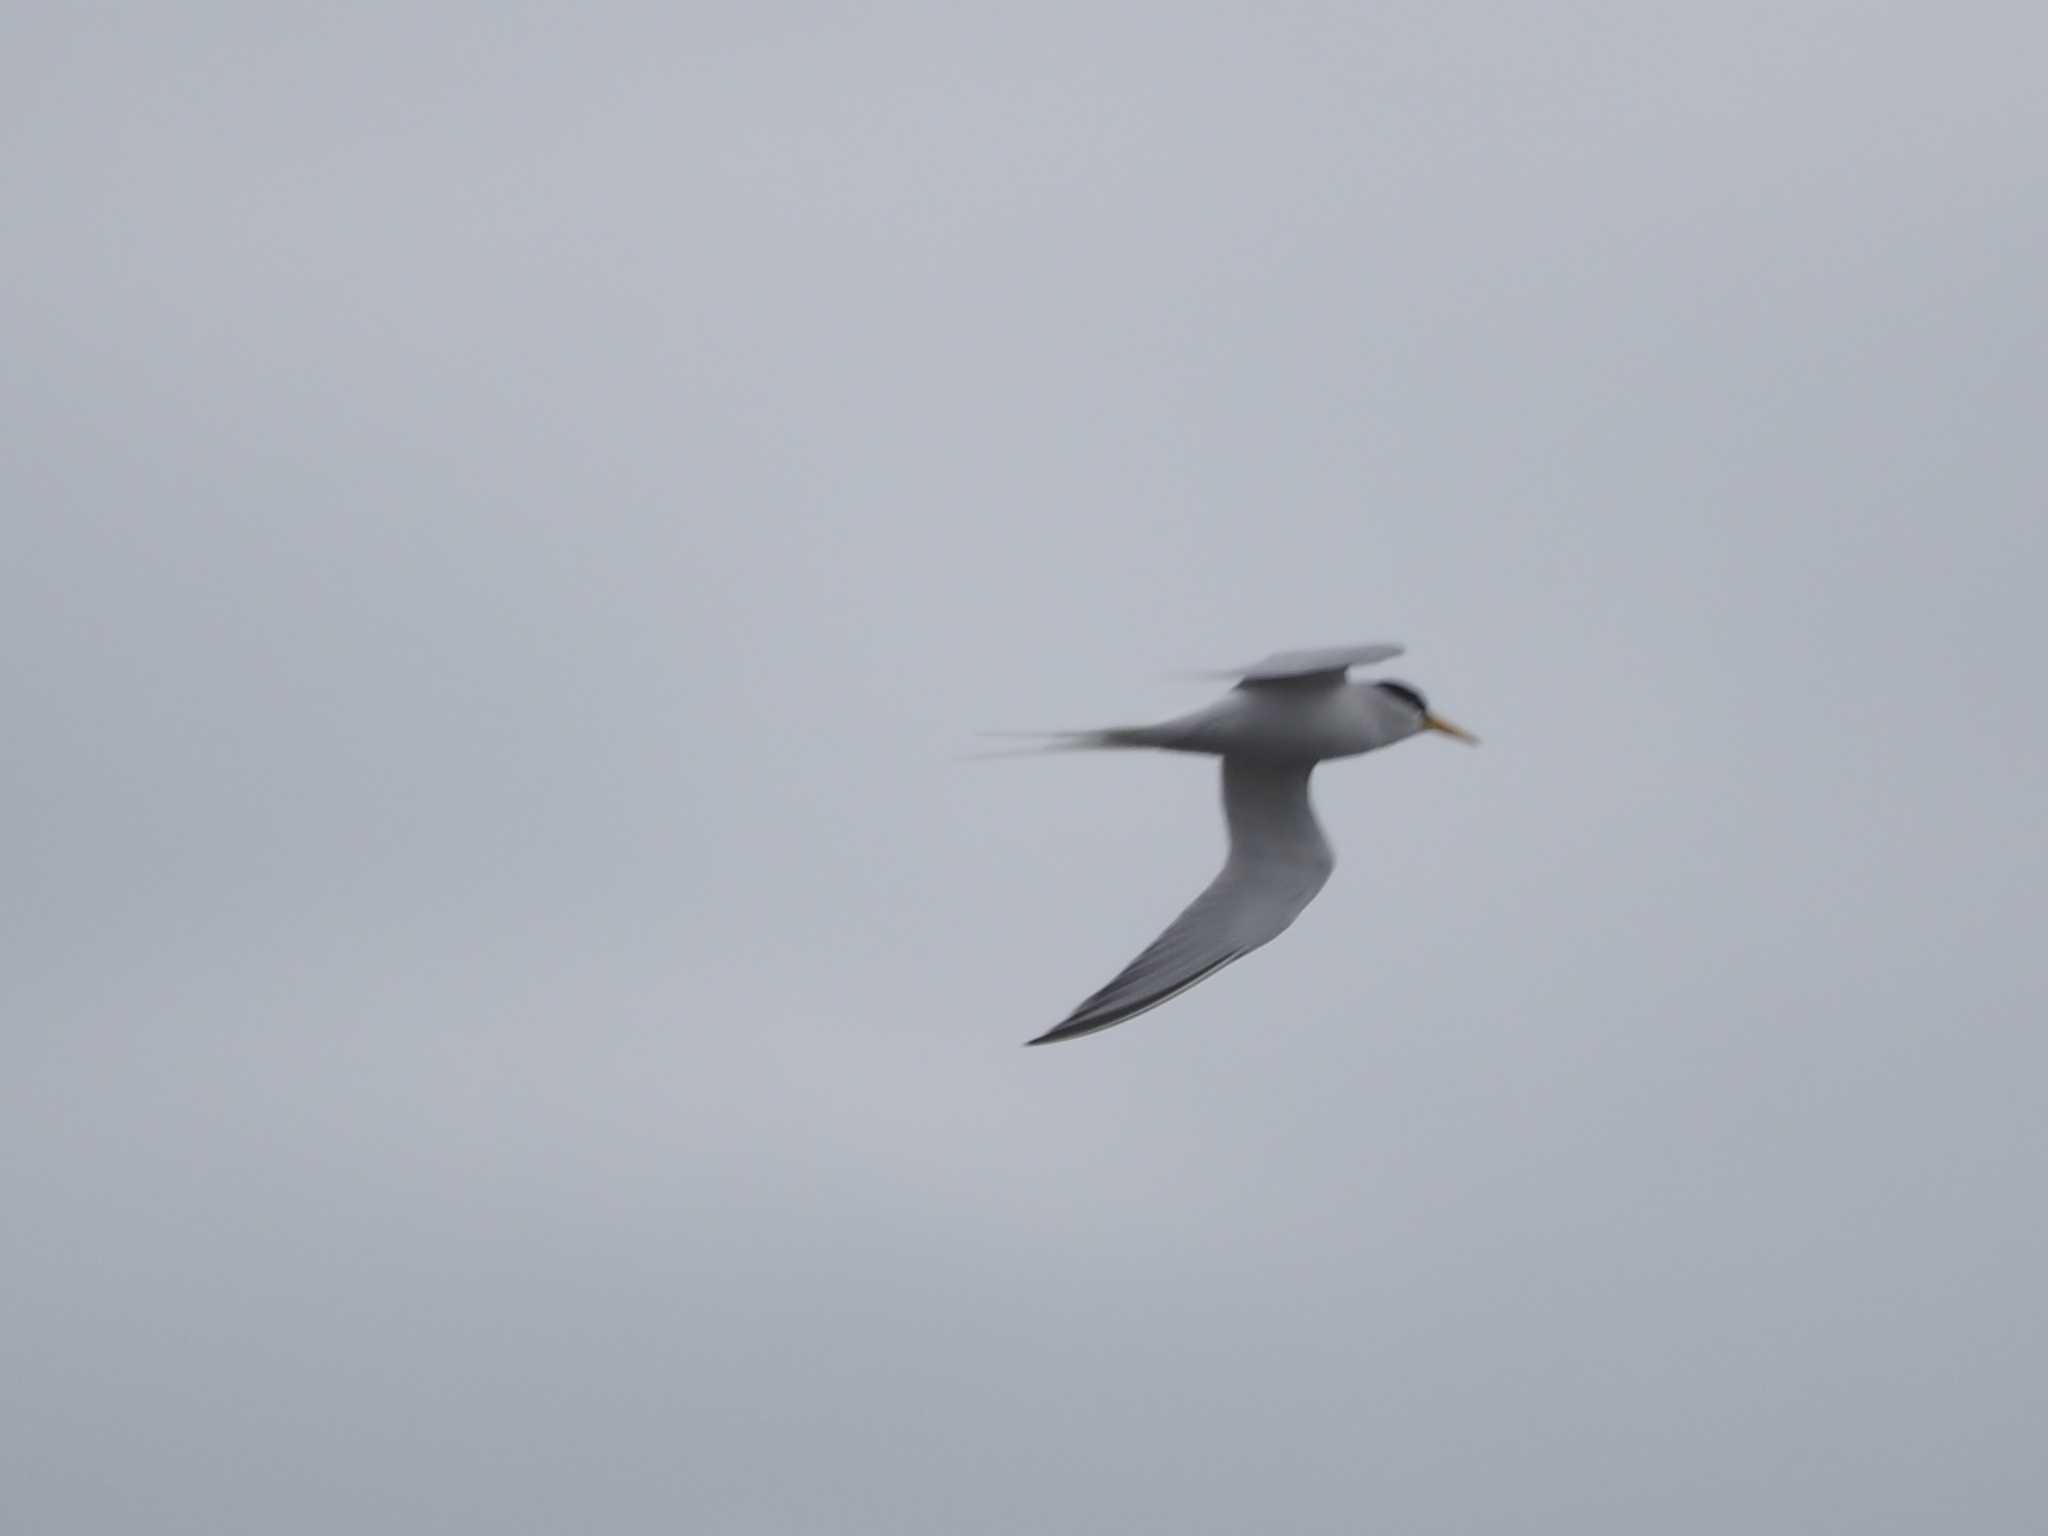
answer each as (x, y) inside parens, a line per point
(1409, 696)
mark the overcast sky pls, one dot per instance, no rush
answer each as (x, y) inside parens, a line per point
(512, 1004)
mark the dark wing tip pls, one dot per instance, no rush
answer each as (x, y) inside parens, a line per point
(1090, 1019)
(1083, 1023)
(1061, 1032)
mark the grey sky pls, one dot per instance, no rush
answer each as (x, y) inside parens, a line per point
(512, 1008)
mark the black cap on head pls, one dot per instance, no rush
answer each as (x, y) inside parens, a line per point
(1410, 696)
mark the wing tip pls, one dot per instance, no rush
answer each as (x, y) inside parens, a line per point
(1077, 1024)
(1083, 1022)
(1283, 666)
(1060, 1032)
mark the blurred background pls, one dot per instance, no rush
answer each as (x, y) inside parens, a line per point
(512, 1002)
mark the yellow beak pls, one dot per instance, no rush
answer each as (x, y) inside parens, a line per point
(1438, 723)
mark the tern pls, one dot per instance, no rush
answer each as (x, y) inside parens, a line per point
(1286, 714)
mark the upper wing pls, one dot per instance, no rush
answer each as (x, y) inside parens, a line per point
(1278, 861)
(1325, 664)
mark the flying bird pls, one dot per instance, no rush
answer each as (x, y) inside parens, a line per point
(1286, 714)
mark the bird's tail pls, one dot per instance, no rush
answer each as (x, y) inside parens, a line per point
(1066, 741)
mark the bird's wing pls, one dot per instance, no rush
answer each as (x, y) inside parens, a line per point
(1278, 861)
(1326, 664)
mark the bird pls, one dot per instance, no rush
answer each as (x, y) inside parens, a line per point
(1285, 714)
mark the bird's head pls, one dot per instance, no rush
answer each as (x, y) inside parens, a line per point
(1414, 709)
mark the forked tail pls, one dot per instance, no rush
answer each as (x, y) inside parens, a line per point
(1068, 741)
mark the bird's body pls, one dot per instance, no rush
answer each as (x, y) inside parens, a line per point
(1286, 714)
(1282, 723)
